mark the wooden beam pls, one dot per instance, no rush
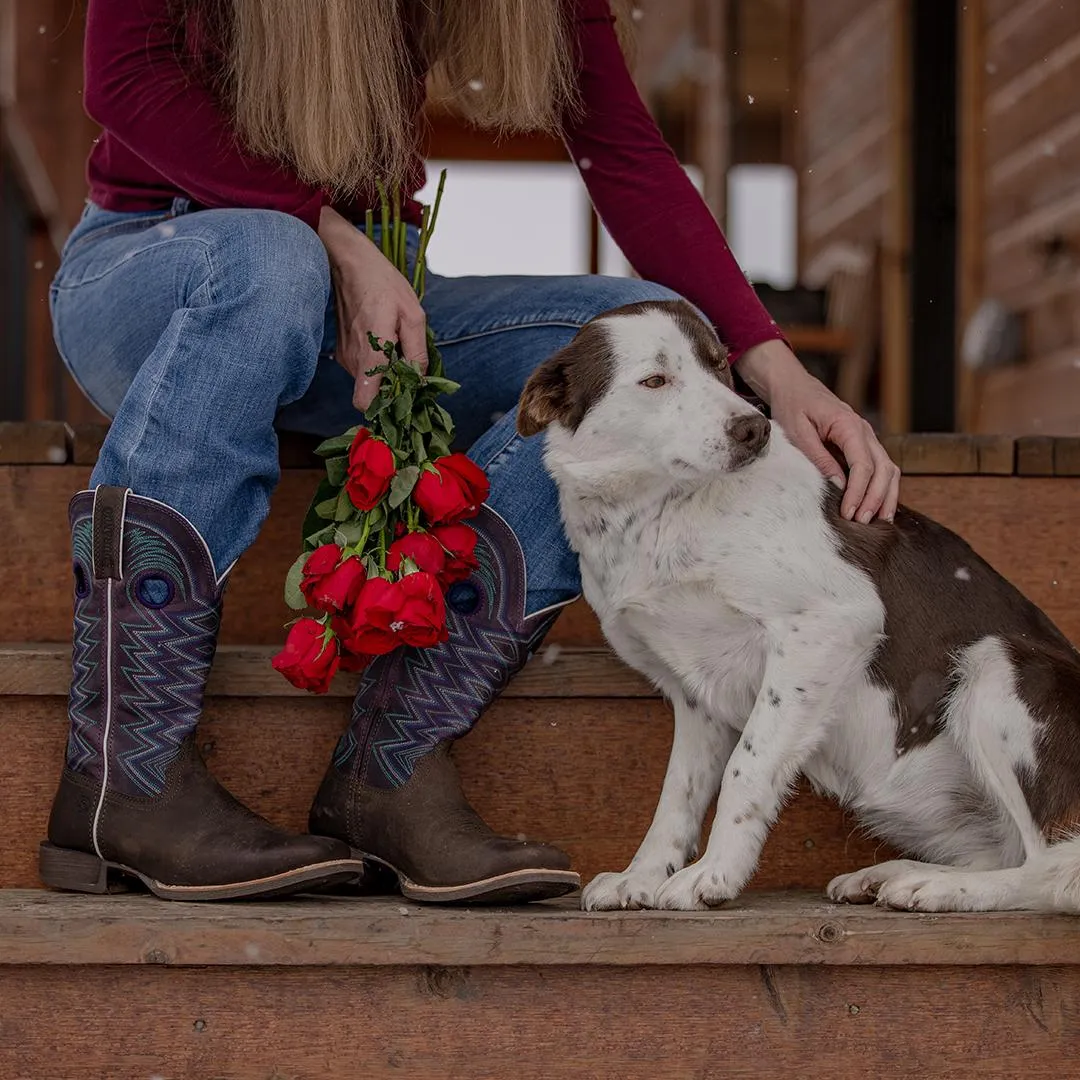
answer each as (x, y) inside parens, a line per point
(714, 110)
(972, 181)
(758, 928)
(896, 271)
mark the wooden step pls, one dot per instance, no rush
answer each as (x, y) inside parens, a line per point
(574, 754)
(1017, 502)
(775, 986)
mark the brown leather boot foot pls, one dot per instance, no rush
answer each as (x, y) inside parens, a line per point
(440, 848)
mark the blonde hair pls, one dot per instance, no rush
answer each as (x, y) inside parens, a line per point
(327, 85)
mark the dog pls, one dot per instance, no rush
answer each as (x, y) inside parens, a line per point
(887, 663)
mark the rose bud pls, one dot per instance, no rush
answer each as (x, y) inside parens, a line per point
(334, 589)
(421, 619)
(371, 468)
(455, 490)
(424, 550)
(459, 544)
(365, 630)
(308, 660)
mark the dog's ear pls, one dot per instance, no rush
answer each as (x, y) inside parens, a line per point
(565, 386)
(544, 399)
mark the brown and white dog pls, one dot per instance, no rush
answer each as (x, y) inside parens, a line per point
(888, 663)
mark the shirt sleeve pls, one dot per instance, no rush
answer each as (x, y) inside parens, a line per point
(138, 89)
(643, 196)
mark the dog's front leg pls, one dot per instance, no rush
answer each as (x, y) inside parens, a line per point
(810, 660)
(699, 751)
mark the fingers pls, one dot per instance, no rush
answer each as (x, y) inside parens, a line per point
(806, 438)
(413, 338)
(873, 485)
(364, 390)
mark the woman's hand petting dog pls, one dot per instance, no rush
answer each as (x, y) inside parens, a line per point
(812, 416)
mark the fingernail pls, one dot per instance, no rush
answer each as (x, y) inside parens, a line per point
(889, 519)
(838, 481)
(866, 517)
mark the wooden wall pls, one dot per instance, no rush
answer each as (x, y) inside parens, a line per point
(1023, 62)
(850, 150)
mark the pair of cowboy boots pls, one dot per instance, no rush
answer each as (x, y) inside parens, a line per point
(136, 800)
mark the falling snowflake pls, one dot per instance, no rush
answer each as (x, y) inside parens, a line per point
(585, 163)
(637, 14)
(749, 99)
(962, 573)
(476, 85)
(551, 654)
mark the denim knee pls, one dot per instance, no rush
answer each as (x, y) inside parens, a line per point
(604, 293)
(276, 267)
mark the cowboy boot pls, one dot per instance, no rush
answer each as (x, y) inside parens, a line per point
(392, 791)
(135, 798)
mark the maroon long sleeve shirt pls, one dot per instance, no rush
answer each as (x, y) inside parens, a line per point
(166, 135)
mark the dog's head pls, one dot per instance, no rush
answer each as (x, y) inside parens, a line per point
(646, 387)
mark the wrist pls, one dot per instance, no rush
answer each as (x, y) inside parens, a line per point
(768, 366)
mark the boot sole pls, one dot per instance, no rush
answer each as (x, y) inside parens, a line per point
(516, 887)
(79, 871)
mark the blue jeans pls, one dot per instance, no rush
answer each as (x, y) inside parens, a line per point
(201, 332)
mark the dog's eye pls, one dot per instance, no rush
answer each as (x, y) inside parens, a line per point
(653, 382)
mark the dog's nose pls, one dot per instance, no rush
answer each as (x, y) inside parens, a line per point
(750, 434)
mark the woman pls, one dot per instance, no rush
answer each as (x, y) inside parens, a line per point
(217, 284)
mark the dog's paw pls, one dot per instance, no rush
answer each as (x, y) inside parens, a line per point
(697, 888)
(930, 889)
(630, 890)
(862, 886)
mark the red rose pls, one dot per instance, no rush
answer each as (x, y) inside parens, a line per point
(421, 619)
(459, 544)
(366, 631)
(308, 659)
(453, 491)
(330, 585)
(371, 468)
(422, 548)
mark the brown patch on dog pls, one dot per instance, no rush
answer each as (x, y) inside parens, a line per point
(939, 598)
(565, 386)
(1048, 683)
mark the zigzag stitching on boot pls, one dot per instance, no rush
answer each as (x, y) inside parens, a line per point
(85, 728)
(168, 659)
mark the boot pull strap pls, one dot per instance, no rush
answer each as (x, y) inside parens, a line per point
(108, 531)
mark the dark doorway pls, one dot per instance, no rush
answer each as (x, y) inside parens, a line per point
(934, 154)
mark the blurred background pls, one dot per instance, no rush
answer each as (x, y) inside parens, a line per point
(899, 178)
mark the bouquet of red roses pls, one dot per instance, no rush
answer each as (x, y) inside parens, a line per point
(385, 535)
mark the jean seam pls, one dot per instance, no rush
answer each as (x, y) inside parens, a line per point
(559, 324)
(153, 394)
(60, 286)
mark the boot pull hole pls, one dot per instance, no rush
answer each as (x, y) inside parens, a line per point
(463, 597)
(154, 591)
(82, 581)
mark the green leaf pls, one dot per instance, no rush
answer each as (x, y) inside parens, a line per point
(371, 566)
(408, 375)
(338, 443)
(403, 405)
(376, 518)
(421, 420)
(444, 386)
(344, 508)
(419, 449)
(293, 596)
(444, 419)
(337, 468)
(382, 402)
(437, 445)
(402, 485)
(326, 508)
(322, 536)
(390, 430)
(348, 533)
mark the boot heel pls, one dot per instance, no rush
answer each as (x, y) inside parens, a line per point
(76, 871)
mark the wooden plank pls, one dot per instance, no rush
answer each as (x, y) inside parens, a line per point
(86, 440)
(1021, 525)
(826, 339)
(758, 928)
(244, 671)
(581, 774)
(1035, 455)
(939, 455)
(41, 443)
(1067, 457)
(996, 454)
(757, 1022)
(1039, 397)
